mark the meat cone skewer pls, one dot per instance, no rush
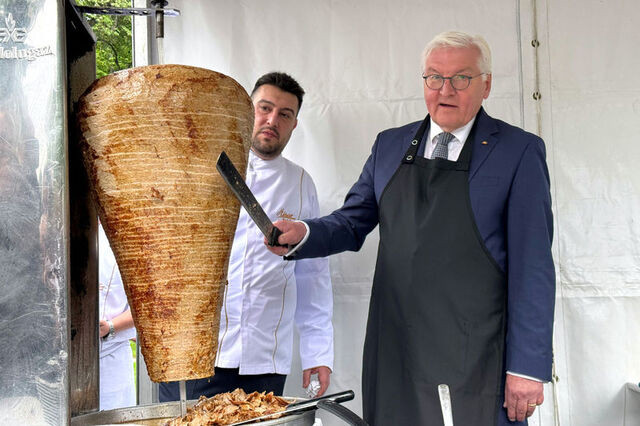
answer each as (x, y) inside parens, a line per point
(150, 138)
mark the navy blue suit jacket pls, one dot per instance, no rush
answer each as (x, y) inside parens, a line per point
(510, 198)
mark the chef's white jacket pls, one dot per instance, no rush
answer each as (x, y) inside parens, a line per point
(117, 384)
(265, 294)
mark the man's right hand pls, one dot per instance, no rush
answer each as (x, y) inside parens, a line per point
(104, 328)
(292, 234)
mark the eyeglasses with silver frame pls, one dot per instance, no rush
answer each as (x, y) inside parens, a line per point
(458, 81)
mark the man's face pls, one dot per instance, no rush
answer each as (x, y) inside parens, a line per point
(448, 107)
(275, 119)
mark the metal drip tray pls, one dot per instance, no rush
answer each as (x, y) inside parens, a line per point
(158, 414)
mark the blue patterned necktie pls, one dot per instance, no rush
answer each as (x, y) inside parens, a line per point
(442, 146)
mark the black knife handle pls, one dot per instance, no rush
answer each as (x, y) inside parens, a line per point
(273, 238)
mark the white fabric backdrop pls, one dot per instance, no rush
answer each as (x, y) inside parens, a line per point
(359, 62)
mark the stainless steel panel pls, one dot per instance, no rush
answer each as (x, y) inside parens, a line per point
(84, 396)
(144, 414)
(33, 214)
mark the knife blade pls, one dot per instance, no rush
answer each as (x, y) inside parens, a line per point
(305, 405)
(242, 192)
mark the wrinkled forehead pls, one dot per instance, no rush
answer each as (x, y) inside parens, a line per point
(453, 59)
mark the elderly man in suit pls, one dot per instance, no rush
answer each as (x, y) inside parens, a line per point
(464, 287)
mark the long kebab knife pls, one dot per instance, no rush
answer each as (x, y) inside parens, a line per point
(304, 405)
(238, 186)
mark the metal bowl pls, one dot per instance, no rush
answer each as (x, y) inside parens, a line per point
(158, 414)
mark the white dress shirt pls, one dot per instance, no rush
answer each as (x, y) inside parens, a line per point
(456, 144)
(266, 295)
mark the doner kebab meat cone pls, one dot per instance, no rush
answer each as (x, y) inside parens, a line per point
(150, 138)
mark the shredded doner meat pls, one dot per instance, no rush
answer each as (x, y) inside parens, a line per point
(230, 407)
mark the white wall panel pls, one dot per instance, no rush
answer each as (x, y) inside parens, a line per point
(592, 100)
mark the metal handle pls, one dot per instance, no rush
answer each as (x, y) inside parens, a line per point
(445, 404)
(311, 403)
(341, 411)
(182, 385)
(298, 407)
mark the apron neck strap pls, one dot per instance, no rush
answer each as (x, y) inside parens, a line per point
(411, 153)
(464, 159)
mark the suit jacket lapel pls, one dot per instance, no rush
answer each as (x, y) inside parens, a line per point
(485, 140)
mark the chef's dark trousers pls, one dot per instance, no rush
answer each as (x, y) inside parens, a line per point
(225, 380)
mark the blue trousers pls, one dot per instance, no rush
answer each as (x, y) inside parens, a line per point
(225, 380)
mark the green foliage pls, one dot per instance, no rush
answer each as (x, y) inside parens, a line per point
(113, 34)
(132, 343)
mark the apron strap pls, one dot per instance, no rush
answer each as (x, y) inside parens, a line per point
(412, 152)
(464, 160)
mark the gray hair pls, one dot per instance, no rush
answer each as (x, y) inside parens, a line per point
(460, 39)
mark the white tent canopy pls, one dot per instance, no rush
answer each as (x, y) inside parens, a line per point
(359, 62)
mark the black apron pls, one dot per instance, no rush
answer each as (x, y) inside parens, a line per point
(438, 303)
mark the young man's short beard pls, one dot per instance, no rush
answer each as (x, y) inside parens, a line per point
(268, 151)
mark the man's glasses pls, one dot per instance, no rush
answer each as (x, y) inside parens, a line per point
(458, 81)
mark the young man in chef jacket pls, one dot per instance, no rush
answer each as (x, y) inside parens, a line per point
(267, 295)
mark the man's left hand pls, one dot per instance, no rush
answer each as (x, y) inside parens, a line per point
(324, 378)
(521, 397)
